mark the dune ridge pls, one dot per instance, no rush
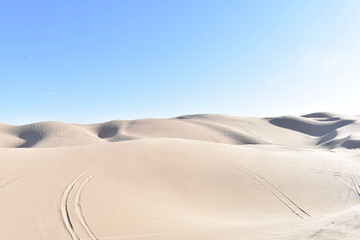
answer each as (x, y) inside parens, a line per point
(205, 176)
(317, 129)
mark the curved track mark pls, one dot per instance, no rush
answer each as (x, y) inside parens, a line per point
(279, 194)
(64, 207)
(4, 185)
(78, 207)
(355, 184)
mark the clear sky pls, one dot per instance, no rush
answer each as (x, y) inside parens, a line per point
(91, 61)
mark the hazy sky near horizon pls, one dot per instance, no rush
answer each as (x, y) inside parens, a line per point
(92, 61)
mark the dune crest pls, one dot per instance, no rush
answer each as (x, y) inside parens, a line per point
(317, 129)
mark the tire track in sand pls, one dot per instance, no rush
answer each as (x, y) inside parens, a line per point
(354, 179)
(279, 194)
(78, 207)
(70, 217)
(4, 184)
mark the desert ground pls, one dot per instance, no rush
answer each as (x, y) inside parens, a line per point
(211, 177)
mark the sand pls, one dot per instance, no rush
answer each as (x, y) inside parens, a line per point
(213, 177)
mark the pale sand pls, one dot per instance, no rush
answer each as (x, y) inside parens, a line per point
(191, 177)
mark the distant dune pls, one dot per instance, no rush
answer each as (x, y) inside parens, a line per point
(213, 177)
(317, 129)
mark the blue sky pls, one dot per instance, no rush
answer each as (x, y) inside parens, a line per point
(92, 61)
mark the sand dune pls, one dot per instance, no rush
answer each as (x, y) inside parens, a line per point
(327, 130)
(190, 177)
(317, 129)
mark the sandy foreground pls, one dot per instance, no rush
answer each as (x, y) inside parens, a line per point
(191, 177)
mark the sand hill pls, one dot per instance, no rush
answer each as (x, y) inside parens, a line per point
(213, 177)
